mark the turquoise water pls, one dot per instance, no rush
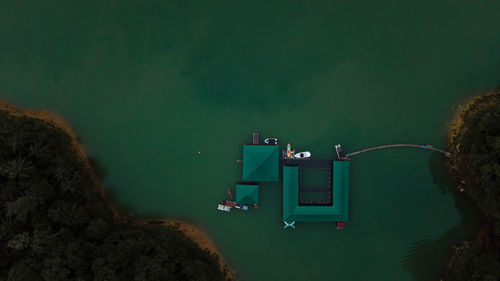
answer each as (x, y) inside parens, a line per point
(148, 85)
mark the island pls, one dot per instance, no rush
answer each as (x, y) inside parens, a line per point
(474, 140)
(58, 224)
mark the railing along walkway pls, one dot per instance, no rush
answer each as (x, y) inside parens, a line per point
(421, 146)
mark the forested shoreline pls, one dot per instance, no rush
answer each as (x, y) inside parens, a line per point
(55, 225)
(474, 139)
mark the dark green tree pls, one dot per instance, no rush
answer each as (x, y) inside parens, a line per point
(476, 167)
(55, 226)
(39, 150)
(17, 168)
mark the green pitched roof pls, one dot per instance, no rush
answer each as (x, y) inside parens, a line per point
(247, 194)
(261, 163)
(340, 197)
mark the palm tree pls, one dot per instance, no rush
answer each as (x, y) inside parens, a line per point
(6, 127)
(68, 214)
(17, 168)
(41, 191)
(17, 140)
(39, 150)
(71, 182)
(61, 168)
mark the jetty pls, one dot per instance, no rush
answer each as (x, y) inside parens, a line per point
(324, 198)
(421, 146)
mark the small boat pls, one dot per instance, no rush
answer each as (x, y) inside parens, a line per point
(288, 151)
(305, 154)
(271, 141)
(224, 208)
(338, 149)
(231, 204)
(255, 138)
(229, 193)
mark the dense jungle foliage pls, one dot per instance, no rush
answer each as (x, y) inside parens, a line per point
(55, 226)
(478, 161)
(476, 168)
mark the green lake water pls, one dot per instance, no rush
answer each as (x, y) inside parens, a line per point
(146, 85)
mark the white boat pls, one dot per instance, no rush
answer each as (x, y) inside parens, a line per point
(271, 141)
(338, 149)
(304, 154)
(224, 208)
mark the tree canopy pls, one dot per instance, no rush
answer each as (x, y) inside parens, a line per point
(476, 168)
(478, 160)
(55, 226)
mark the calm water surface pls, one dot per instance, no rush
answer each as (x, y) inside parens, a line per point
(148, 85)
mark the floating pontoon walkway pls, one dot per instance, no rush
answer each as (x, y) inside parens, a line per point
(336, 211)
(262, 162)
(308, 163)
(421, 146)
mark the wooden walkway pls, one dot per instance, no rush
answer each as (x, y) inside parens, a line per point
(421, 146)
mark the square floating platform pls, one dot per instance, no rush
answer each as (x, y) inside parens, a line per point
(337, 211)
(260, 163)
(247, 194)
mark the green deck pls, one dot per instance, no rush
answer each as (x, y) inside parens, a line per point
(260, 163)
(338, 211)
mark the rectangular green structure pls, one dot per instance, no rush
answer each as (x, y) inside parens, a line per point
(247, 194)
(337, 212)
(260, 163)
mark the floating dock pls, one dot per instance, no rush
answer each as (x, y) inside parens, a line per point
(334, 210)
(255, 138)
(262, 163)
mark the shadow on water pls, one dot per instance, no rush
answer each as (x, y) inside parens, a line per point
(98, 168)
(110, 195)
(426, 259)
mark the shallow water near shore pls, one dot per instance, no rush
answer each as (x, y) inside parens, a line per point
(148, 86)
